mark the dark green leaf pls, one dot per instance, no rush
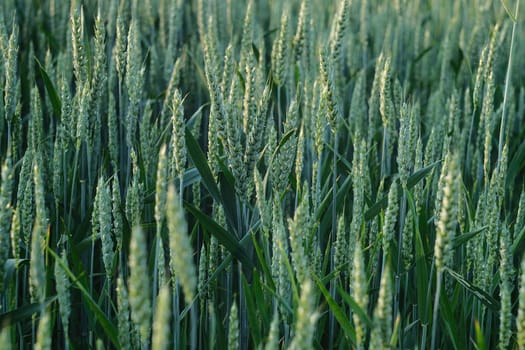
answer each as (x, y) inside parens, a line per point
(11, 265)
(339, 314)
(451, 323)
(195, 115)
(420, 174)
(109, 328)
(51, 91)
(227, 188)
(224, 237)
(251, 308)
(422, 275)
(190, 177)
(24, 312)
(283, 141)
(480, 294)
(326, 205)
(412, 181)
(354, 306)
(517, 163)
(201, 164)
(465, 237)
(262, 261)
(260, 297)
(519, 240)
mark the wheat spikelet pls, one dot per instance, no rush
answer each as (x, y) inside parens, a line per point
(341, 245)
(446, 224)
(299, 229)
(123, 323)
(64, 297)
(280, 52)
(105, 225)
(45, 333)
(520, 320)
(247, 35)
(279, 253)
(390, 217)
(99, 75)
(139, 285)
(161, 324)
(11, 80)
(134, 196)
(306, 318)
(113, 128)
(134, 81)
(333, 113)
(178, 135)
(358, 186)
(255, 138)
(77, 39)
(15, 233)
(282, 164)
(25, 197)
(357, 113)
(273, 336)
(506, 288)
(202, 287)
(233, 328)
(116, 211)
(119, 50)
(338, 32)
(382, 323)
(37, 271)
(160, 189)
(181, 251)
(37, 268)
(302, 32)
(6, 189)
(359, 291)
(263, 205)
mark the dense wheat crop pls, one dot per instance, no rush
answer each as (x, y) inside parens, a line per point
(262, 174)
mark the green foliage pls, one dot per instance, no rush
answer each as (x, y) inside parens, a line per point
(283, 174)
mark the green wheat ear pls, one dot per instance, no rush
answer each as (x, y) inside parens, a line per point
(280, 52)
(382, 322)
(178, 140)
(161, 324)
(306, 318)
(139, 285)
(446, 223)
(37, 270)
(233, 328)
(103, 224)
(181, 256)
(44, 335)
(506, 288)
(299, 229)
(123, 315)
(359, 286)
(6, 210)
(520, 320)
(63, 292)
(346, 143)
(391, 215)
(273, 337)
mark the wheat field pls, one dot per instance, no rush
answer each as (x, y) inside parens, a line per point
(262, 174)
